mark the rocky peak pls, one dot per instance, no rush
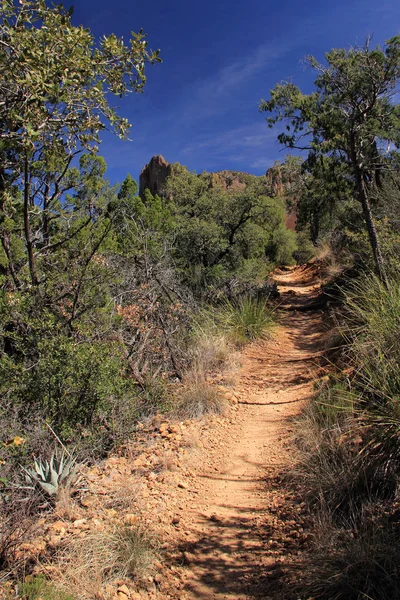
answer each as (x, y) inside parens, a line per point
(154, 174)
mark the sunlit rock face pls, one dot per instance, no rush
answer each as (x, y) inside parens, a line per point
(280, 183)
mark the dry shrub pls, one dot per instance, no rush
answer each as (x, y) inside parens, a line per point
(212, 351)
(124, 494)
(17, 526)
(87, 565)
(199, 398)
(333, 259)
(360, 560)
(67, 506)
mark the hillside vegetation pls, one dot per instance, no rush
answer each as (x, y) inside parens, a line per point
(116, 305)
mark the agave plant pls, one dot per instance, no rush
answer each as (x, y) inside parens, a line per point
(51, 475)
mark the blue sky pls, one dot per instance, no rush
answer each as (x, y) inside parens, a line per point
(200, 106)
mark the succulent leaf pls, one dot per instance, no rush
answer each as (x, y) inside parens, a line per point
(51, 475)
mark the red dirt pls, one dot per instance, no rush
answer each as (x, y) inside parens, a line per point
(242, 528)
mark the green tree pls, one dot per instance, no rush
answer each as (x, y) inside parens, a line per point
(350, 116)
(61, 357)
(218, 227)
(55, 89)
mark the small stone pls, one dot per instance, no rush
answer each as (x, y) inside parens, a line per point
(79, 522)
(123, 592)
(59, 526)
(88, 501)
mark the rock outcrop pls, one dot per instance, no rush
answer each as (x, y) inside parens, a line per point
(154, 175)
(227, 180)
(283, 182)
(277, 181)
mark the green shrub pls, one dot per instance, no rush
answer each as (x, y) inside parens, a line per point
(245, 319)
(374, 331)
(282, 246)
(38, 588)
(305, 249)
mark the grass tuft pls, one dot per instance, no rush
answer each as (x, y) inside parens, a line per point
(348, 440)
(199, 398)
(123, 552)
(242, 320)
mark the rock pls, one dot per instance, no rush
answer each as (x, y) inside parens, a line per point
(79, 523)
(88, 501)
(183, 485)
(123, 592)
(59, 527)
(154, 175)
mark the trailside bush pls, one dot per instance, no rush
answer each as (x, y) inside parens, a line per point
(349, 449)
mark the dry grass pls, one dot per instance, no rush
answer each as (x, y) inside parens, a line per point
(212, 351)
(334, 262)
(124, 494)
(66, 506)
(324, 253)
(360, 560)
(199, 397)
(88, 565)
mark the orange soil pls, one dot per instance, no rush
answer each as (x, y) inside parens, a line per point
(236, 525)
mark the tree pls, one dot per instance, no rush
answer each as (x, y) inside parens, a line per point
(219, 227)
(55, 89)
(350, 116)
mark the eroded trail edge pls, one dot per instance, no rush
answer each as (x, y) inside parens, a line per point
(235, 531)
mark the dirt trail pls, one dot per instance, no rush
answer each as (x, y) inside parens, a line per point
(233, 529)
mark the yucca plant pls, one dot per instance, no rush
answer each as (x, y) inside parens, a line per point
(52, 475)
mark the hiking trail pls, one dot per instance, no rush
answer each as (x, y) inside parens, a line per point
(237, 527)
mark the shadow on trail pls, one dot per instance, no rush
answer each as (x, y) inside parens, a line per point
(238, 556)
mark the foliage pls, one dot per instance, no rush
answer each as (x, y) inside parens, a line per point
(38, 588)
(351, 109)
(218, 229)
(244, 319)
(62, 356)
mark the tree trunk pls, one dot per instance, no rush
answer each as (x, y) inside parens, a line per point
(372, 233)
(367, 212)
